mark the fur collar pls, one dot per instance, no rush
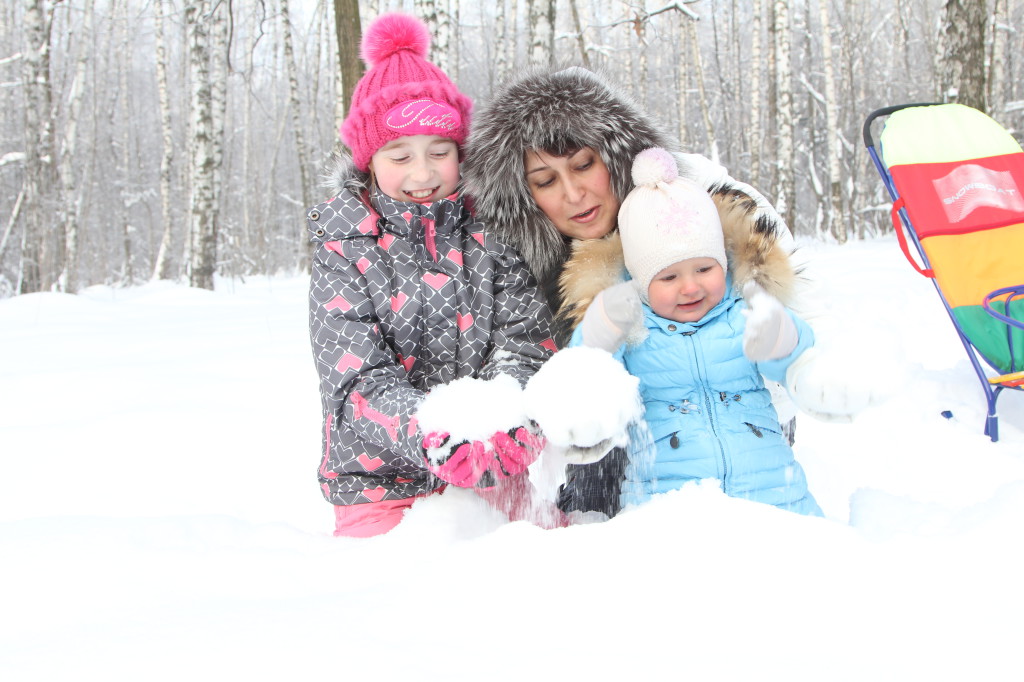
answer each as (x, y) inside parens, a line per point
(341, 174)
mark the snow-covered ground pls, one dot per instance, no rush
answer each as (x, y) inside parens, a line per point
(160, 518)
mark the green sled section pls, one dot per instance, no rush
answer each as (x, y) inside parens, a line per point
(988, 334)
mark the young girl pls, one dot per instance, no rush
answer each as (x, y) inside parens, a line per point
(698, 348)
(407, 294)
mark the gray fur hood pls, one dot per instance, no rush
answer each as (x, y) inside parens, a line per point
(340, 173)
(553, 110)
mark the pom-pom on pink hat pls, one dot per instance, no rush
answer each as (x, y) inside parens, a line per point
(401, 93)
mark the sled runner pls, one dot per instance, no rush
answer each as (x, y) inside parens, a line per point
(956, 179)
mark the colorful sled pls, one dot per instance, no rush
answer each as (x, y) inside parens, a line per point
(956, 178)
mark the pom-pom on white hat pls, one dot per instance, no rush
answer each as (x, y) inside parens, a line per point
(666, 219)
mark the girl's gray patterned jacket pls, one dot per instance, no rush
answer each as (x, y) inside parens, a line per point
(404, 297)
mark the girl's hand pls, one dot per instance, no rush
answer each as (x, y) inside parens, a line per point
(480, 464)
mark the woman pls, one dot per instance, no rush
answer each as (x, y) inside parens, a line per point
(547, 164)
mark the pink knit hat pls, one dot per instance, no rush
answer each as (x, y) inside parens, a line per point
(401, 93)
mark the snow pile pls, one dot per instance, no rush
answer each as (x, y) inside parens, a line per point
(160, 518)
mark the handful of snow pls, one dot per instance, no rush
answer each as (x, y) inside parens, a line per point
(822, 383)
(584, 400)
(471, 409)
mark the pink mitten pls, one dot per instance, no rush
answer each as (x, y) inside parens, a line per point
(515, 450)
(480, 464)
(461, 464)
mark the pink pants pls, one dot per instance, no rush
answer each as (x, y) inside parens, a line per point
(512, 497)
(370, 519)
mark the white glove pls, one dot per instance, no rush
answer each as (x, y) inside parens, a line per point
(770, 333)
(825, 386)
(610, 317)
(584, 401)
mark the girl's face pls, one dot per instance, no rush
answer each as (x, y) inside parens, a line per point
(575, 192)
(687, 290)
(417, 168)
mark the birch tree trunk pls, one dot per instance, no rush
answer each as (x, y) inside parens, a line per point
(69, 278)
(127, 276)
(162, 264)
(963, 56)
(996, 96)
(255, 246)
(512, 43)
(296, 108)
(43, 238)
(722, 67)
(542, 32)
(786, 192)
(202, 228)
(698, 66)
(577, 25)
(833, 199)
(641, 52)
(11, 222)
(454, 38)
(219, 62)
(754, 130)
(770, 142)
(501, 66)
(682, 81)
(436, 19)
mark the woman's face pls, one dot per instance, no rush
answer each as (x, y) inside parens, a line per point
(575, 192)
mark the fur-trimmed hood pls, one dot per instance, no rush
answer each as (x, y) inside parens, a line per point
(340, 173)
(549, 110)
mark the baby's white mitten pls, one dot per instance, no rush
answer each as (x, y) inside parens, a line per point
(770, 333)
(611, 316)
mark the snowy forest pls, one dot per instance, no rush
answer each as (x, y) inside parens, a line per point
(183, 139)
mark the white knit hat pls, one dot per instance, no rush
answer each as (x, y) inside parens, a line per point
(666, 219)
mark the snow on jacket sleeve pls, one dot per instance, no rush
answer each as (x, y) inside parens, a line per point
(361, 380)
(521, 334)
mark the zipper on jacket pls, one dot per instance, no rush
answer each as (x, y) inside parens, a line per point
(709, 404)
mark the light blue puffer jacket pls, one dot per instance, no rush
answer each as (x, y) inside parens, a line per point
(709, 413)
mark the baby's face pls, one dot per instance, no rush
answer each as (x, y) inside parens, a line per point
(685, 291)
(417, 168)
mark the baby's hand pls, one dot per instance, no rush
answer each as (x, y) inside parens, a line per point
(610, 317)
(770, 333)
